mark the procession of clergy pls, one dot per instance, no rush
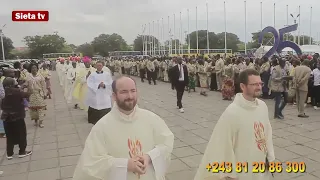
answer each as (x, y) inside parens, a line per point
(131, 143)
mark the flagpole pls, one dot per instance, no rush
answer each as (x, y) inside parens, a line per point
(163, 50)
(310, 40)
(299, 26)
(174, 33)
(225, 29)
(261, 16)
(188, 33)
(245, 27)
(158, 44)
(169, 52)
(274, 15)
(208, 45)
(142, 39)
(287, 20)
(149, 38)
(180, 35)
(153, 40)
(197, 30)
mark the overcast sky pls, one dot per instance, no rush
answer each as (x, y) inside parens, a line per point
(79, 21)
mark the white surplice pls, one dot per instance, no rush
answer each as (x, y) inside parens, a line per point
(99, 98)
(116, 137)
(242, 134)
(65, 69)
(70, 79)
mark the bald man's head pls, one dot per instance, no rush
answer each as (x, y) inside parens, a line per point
(122, 80)
(125, 93)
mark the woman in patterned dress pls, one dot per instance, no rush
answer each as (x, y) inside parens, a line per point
(37, 87)
(44, 71)
(228, 81)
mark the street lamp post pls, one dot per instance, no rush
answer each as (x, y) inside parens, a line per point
(2, 46)
(295, 22)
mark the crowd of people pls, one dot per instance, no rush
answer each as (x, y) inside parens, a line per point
(112, 107)
(280, 80)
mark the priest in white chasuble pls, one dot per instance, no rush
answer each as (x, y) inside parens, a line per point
(242, 136)
(99, 93)
(129, 143)
(81, 87)
(70, 79)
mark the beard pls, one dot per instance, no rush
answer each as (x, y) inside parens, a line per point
(127, 104)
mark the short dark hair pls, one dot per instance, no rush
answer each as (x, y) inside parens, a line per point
(30, 66)
(114, 83)
(244, 75)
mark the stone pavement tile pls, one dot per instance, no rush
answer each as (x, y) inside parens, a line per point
(178, 143)
(311, 165)
(298, 139)
(300, 149)
(207, 124)
(66, 131)
(70, 151)
(284, 155)
(47, 133)
(69, 160)
(22, 176)
(13, 169)
(315, 156)
(192, 161)
(204, 133)
(70, 143)
(184, 152)
(69, 137)
(281, 142)
(190, 126)
(312, 134)
(177, 165)
(286, 176)
(183, 175)
(193, 140)
(47, 174)
(15, 160)
(45, 140)
(316, 173)
(44, 164)
(200, 147)
(313, 144)
(44, 147)
(296, 129)
(67, 172)
(44, 154)
(281, 133)
(306, 177)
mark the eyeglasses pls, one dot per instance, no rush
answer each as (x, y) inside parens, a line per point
(257, 84)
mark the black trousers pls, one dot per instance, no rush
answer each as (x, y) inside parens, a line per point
(151, 75)
(315, 96)
(142, 73)
(180, 85)
(16, 133)
(95, 115)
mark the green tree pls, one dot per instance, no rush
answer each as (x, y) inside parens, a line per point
(86, 49)
(137, 43)
(73, 47)
(105, 43)
(67, 49)
(232, 41)
(8, 47)
(39, 45)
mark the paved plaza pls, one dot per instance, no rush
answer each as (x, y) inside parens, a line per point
(56, 148)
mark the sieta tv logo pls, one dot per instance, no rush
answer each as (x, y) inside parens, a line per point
(35, 16)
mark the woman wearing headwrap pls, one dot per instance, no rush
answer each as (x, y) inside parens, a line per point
(37, 86)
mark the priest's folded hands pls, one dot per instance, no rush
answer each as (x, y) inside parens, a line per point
(138, 164)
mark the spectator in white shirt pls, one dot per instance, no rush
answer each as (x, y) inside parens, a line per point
(315, 97)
